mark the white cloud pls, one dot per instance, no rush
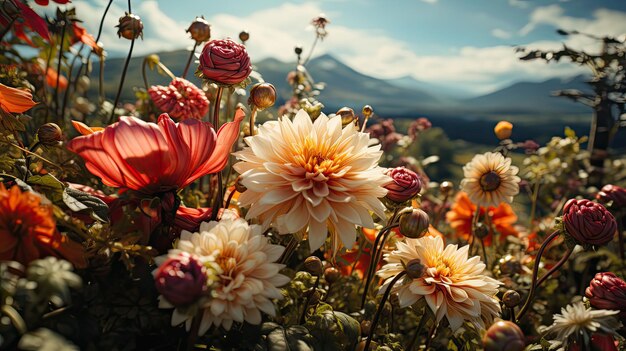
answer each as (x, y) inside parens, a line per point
(430, 1)
(500, 33)
(276, 31)
(522, 4)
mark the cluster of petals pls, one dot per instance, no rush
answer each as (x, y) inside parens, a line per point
(453, 285)
(302, 174)
(181, 99)
(247, 277)
(154, 158)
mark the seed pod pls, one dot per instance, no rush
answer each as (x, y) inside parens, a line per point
(49, 134)
(130, 27)
(414, 224)
(262, 96)
(200, 30)
(313, 265)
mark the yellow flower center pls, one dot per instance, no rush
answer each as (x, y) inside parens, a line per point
(228, 265)
(443, 268)
(490, 181)
(317, 157)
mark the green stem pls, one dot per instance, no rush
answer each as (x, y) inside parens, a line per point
(121, 85)
(533, 286)
(380, 309)
(308, 299)
(372, 267)
(420, 326)
(216, 125)
(193, 51)
(252, 119)
(317, 37)
(533, 207)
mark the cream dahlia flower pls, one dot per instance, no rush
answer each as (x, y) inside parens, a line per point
(301, 174)
(490, 179)
(576, 319)
(247, 277)
(452, 284)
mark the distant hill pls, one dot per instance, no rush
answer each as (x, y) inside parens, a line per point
(403, 97)
(527, 98)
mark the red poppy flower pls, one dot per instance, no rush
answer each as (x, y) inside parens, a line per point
(462, 212)
(151, 158)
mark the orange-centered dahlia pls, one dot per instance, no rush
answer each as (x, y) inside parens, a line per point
(302, 174)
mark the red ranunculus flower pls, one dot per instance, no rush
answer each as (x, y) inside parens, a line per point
(181, 279)
(614, 194)
(588, 223)
(225, 62)
(406, 184)
(153, 159)
(607, 291)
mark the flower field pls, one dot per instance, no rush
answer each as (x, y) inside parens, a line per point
(222, 216)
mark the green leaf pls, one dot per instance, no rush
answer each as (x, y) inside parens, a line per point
(49, 185)
(78, 201)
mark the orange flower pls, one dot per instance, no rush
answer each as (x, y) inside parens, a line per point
(15, 100)
(28, 232)
(462, 212)
(84, 129)
(51, 79)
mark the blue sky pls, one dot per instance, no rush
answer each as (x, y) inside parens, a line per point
(468, 44)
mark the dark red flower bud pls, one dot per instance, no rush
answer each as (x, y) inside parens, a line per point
(199, 30)
(130, 27)
(181, 279)
(414, 224)
(607, 291)
(225, 62)
(588, 223)
(613, 194)
(406, 184)
(504, 336)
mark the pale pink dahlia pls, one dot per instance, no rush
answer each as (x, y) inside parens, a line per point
(243, 275)
(452, 284)
(302, 174)
(181, 99)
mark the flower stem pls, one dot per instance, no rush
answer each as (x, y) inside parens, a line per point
(60, 60)
(216, 125)
(252, 119)
(441, 210)
(193, 51)
(380, 309)
(533, 286)
(533, 208)
(482, 244)
(556, 267)
(317, 37)
(166, 70)
(119, 89)
(69, 77)
(143, 74)
(193, 332)
(372, 268)
(308, 299)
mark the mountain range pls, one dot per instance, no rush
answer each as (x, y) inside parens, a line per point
(402, 97)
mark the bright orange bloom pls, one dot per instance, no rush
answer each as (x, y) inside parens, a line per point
(15, 100)
(28, 231)
(84, 129)
(51, 79)
(462, 212)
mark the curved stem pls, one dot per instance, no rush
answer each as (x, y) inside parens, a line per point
(121, 85)
(380, 309)
(69, 77)
(308, 299)
(482, 244)
(556, 267)
(441, 210)
(193, 331)
(317, 37)
(166, 70)
(252, 119)
(101, 81)
(193, 51)
(533, 286)
(60, 60)
(216, 125)
(533, 208)
(143, 74)
(420, 326)
(106, 10)
(372, 267)
(230, 198)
